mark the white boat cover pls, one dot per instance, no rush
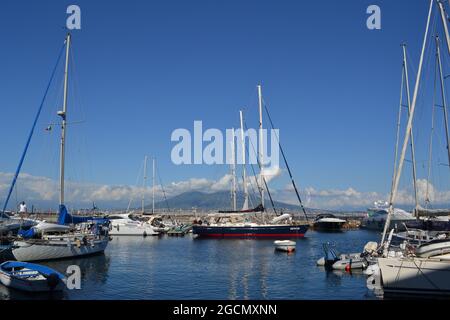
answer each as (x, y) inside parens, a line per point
(51, 227)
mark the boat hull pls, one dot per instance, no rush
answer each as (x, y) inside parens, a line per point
(415, 276)
(133, 230)
(269, 231)
(29, 286)
(26, 251)
(328, 226)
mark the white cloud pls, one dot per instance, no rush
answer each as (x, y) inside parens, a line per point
(35, 189)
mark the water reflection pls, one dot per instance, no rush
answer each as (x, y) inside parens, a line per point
(183, 268)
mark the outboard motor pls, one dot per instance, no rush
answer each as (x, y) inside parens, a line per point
(52, 280)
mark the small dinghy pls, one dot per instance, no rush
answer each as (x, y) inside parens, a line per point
(30, 277)
(284, 245)
(347, 262)
(352, 261)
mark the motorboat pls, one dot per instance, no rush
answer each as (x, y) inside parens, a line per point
(376, 219)
(328, 222)
(124, 225)
(30, 277)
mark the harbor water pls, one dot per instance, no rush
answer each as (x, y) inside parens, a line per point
(187, 268)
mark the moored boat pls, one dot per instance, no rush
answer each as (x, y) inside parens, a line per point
(250, 230)
(328, 222)
(284, 245)
(49, 241)
(123, 225)
(30, 277)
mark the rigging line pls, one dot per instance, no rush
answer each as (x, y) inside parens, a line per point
(263, 178)
(443, 93)
(137, 181)
(22, 158)
(162, 188)
(425, 276)
(251, 165)
(287, 165)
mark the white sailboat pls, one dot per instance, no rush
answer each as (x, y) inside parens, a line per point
(424, 270)
(48, 241)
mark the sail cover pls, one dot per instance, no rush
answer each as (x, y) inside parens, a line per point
(66, 218)
(421, 212)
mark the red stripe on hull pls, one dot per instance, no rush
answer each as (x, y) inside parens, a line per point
(251, 235)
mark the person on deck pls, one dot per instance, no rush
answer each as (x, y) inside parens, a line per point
(22, 207)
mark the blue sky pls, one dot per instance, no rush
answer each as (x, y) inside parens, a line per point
(145, 68)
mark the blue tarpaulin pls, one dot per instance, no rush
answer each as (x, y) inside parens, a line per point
(27, 234)
(66, 218)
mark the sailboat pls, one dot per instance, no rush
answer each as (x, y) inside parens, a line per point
(238, 224)
(48, 241)
(422, 270)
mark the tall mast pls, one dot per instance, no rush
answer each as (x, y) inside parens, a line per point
(399, 118)
(261, 146)
(444, 101)
(233, 174)
(244, 175)
(430, 148)
(413, 155)
(408, 130)
(153, 188)
(144, 184)
(444, 18)
(63, 115)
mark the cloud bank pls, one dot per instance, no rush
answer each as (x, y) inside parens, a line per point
(44, 193)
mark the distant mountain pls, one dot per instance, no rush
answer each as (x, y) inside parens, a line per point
(220, 201)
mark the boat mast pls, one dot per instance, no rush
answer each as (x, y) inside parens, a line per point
(244, 175)
(144, 184)
(408, 130)
(63, 115)
(261, 146)
(233, 174)
(399, 117)
(444, 101)
(444, 18)
(153, 188)
(430, 148)
(413, 155)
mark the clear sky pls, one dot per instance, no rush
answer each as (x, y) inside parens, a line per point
(145, 68)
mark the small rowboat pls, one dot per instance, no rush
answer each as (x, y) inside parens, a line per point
(284, 245)
(30, 277)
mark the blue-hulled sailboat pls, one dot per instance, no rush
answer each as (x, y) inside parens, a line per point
(239, 224)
